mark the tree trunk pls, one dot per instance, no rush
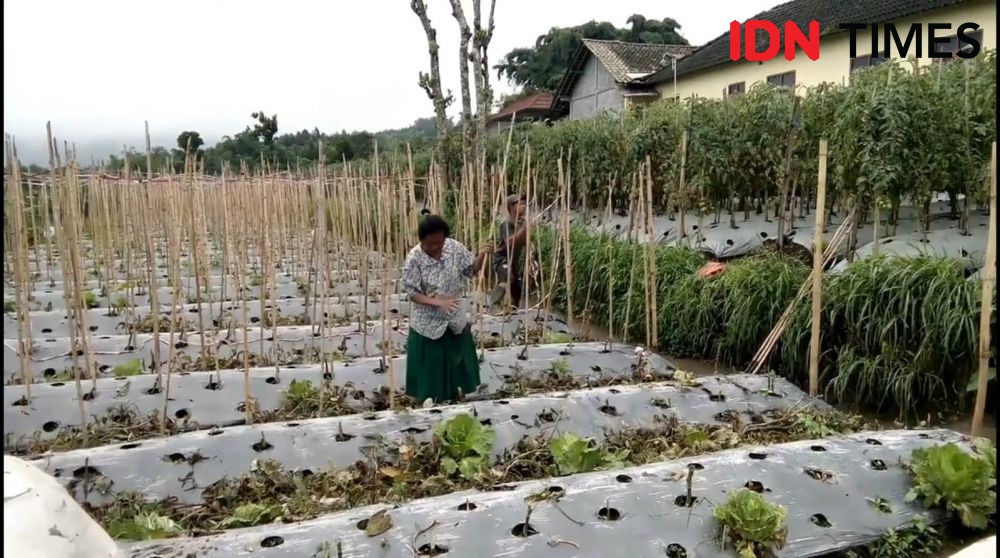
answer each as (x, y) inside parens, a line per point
(484, 93)
(465, 35)
(431, 84)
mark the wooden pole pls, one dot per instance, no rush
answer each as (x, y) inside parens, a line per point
(986, 308)
(817, 275)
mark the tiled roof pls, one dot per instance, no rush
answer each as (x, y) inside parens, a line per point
(533, 104)
(630, 61)
(829, 13)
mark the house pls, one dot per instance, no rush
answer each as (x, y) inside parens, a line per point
(709, 72)
(607, 76)
(534, 107)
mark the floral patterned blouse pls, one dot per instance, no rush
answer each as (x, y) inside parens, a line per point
(445, 277)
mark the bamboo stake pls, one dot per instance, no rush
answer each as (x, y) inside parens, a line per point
(779, 328)
(173, 239)
(817, 273)
(611, 276)
(986, 307)
(568, 265)
(153, 281)
(652, 260)
(682, 186)
(57, 210)
(22, 285)
(241, 284)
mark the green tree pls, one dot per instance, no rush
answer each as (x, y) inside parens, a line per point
(189, 142)
(266, 127)
(543, 65)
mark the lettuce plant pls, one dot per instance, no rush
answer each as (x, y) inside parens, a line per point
(573, 454)
(465, 446)
(752, 523)
(945, 476)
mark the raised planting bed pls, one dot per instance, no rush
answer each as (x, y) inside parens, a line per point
(47, 299)
(51, 359)
(181, 467)
(215, 278)
(752, 231)
(838, 492)
(290, 311)
(207, 399)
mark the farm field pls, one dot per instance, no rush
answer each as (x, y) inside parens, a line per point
(216, 364)
(261, 408)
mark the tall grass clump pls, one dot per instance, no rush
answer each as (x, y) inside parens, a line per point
(898, 333)
(755, 292)
(602, 261)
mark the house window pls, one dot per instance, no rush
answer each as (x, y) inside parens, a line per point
(786, 79)
(736, 88)
(868, 61)
(952, 46)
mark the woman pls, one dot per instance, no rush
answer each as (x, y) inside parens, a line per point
(441, 360)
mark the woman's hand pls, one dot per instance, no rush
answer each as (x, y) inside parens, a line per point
(487, 248)
(446, 304)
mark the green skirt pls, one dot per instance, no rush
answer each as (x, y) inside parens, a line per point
(439, 368)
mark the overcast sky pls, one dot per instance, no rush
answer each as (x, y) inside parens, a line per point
(98, 69)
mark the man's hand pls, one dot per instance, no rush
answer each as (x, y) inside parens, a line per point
(446, 304)
(487, 248)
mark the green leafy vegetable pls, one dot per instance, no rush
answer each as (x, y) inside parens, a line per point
(90, 300)
(251, 514)
(561, 367)
(466, 445)
(752, 523)
(143, 527)
(573, 454)
(949, 477)
(130, 368)
(919, 539)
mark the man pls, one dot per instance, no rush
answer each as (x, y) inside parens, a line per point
(507, 257)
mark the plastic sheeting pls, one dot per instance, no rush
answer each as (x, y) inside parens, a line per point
(40, 520)
(160, 468)
(949, 243)
(51, 356)
(47, 298)
(827, 486)
(722, 241)
(205, 399)
(100, 321)
(986, 548)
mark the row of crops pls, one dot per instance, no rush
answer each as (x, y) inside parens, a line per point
(897, 137)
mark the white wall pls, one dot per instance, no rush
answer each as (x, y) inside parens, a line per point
(595, 91)
(834, 64)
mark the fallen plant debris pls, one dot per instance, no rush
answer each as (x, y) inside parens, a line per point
(412, 470)
(303, 400)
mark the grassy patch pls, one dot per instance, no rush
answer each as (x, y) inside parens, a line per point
(898, 333)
